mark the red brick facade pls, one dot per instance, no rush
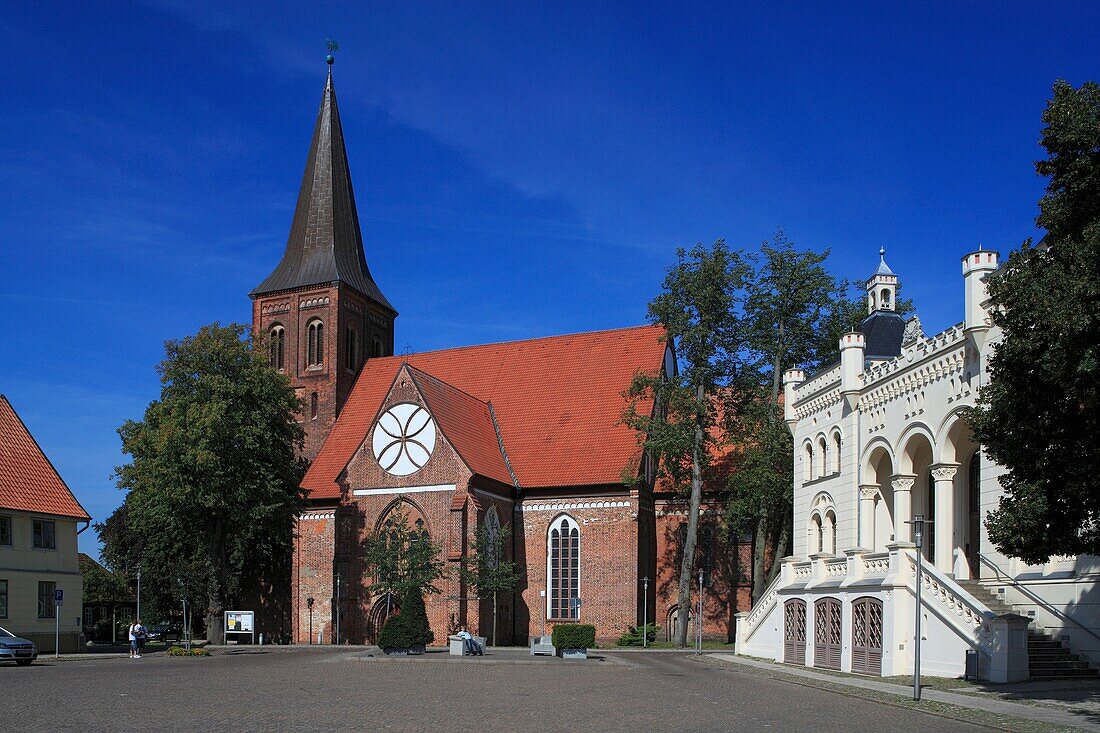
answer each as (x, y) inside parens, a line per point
(354, 329)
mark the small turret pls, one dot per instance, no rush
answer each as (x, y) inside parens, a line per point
(852, 346)
(976, 266)
(791, 379)
(882, 287)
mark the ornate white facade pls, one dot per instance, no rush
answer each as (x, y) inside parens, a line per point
(878, 439)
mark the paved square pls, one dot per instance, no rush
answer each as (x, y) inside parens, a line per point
(303, 689)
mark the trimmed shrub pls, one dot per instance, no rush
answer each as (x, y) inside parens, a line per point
(419, 628)
(633, 637)
(574, 636)
(396, 633)
(179, 651)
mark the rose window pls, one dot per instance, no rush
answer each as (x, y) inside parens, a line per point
(404, 438)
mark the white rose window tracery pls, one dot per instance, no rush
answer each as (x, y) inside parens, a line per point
(404, 438)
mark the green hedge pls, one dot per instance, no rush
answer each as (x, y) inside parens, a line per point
(633, 637)
(397, 633)
(574, 636)
(179, 651)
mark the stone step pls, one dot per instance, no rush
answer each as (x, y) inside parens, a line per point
(1046, 673)
(1058, 664)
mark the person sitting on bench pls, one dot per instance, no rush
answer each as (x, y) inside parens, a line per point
(472, 647)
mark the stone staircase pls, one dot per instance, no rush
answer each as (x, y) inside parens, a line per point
(1047, 658)
(981, 593)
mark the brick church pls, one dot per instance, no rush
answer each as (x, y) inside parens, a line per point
(524, 434)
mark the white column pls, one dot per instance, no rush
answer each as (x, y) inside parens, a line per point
(903, 506)
(867, 494)
(944, 476)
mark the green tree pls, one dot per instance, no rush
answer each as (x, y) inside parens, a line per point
(400, 560)
(212, 482)
(1039, 414)
(486, 571)
(102, 585)
(698, 306)
(791, 301)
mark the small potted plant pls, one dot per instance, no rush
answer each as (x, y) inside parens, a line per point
(572, 641)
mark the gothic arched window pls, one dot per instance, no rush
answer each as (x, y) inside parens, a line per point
(277, 346)
(492, 536)
(836, 452)
(315, 343)
(563, 557)
(313, 406)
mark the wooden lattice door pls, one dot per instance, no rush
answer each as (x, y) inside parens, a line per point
(867, 636)
(827, 635)
(794, 632)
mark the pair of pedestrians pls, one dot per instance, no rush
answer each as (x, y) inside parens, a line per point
(138, 633)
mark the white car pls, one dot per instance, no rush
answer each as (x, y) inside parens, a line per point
(14, 649)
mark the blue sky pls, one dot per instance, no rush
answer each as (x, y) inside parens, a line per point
(521, 169)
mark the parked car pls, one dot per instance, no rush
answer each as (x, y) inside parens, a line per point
(166, 632)
(14, 649)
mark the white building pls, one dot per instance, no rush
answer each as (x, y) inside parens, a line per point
(878, 439)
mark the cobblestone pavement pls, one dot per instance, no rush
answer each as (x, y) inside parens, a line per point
(303, 689)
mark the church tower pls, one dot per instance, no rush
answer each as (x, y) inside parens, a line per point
(319, 311)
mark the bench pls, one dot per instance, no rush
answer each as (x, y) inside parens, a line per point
(541, 645)
(456, 647)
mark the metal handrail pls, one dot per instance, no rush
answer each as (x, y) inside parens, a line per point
(1034, 596)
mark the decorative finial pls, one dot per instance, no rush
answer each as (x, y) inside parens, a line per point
(881, 251)
(332, 46)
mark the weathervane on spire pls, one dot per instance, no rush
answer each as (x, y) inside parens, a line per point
(332, 46)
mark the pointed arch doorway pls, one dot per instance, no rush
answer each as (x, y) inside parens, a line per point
(382, 609)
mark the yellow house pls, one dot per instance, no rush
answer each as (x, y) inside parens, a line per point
(38, 548)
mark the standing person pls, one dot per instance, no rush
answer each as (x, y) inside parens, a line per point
(142, 633)
(134, 626)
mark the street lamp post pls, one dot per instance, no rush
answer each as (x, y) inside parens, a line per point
(699, 618)
(139, 590)
(918, 523)
(309, 605)
(337, 607)
(645, 611)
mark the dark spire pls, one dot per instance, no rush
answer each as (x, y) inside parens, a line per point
(325, 244)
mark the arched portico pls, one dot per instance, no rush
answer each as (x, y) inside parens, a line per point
(876, 515)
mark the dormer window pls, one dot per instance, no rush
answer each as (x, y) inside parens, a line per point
(315, 344)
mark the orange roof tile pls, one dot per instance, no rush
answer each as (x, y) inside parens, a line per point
(557, 400)
(28, 481)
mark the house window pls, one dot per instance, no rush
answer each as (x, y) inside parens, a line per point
(313, 406)
(44, 537)
(563, 575)
(277, 345)
(315, 344)
(3, 599)
(46, 607)
(809, 460)
(351, 352)
(836, 452)
(5, 530)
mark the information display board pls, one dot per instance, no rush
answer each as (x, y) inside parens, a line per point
(241, 622)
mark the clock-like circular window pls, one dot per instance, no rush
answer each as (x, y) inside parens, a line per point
(404, 438)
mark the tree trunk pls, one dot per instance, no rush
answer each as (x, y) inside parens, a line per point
(684, 600)
(779, 550)
(215, 622)
(759, 556)
(494, 618)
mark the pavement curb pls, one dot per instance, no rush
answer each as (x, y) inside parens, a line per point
(1050, 716)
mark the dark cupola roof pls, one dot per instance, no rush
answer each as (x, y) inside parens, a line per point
(883, 331)
(325, 244)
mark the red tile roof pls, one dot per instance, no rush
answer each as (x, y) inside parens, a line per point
(557, 400)
(28, 481)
